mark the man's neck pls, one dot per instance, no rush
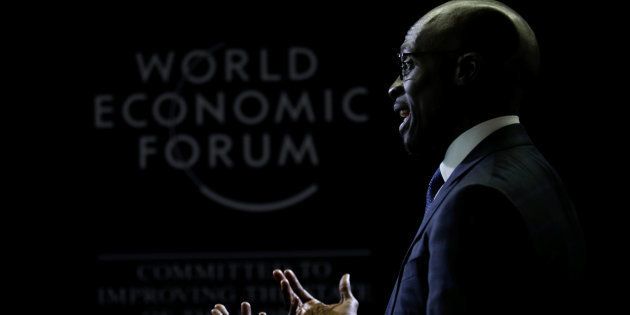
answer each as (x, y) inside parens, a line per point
(463, 144)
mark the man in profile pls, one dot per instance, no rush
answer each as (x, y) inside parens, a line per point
(499, 233)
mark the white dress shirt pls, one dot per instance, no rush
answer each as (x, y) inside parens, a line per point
(467, 141)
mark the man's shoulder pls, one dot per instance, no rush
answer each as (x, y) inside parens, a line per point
(518, 178)
(516, 170)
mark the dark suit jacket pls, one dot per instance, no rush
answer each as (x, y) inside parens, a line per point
(501, 237)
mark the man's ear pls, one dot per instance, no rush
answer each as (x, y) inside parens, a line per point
(467, 69)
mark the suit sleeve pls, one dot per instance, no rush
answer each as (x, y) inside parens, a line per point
(478, 255)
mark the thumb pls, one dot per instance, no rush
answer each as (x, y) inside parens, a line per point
(344, 288)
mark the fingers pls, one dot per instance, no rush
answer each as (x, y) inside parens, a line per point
(285, 288)
(278, 275)
(293, 306)
(221, 309)
(246, 309)
(344, 288)
(288, 294)
(304, 296)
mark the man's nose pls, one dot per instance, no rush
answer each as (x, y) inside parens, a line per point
(396, 89)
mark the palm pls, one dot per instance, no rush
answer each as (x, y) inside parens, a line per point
(302, 303)
(315, 307)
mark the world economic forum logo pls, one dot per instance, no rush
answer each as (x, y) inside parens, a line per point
(232, 119)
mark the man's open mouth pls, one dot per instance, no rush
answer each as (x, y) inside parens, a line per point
(402, 110)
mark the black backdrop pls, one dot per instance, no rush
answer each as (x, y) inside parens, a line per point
(149, 241)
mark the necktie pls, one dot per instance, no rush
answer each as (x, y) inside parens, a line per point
(434, 185)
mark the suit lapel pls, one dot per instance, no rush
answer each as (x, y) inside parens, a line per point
(506, 137)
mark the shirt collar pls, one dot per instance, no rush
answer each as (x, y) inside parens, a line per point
(467, 141)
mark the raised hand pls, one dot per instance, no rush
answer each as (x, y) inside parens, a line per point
(246, 309)
(303, 303)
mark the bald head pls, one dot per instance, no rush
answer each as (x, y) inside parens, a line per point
(493, 30)
(462, 63)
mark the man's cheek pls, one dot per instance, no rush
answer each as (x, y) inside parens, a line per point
(410, 86)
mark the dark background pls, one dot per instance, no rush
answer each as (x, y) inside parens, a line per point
(371, 192)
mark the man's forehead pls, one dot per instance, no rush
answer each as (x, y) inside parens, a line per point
(409, 45)
(423, 35)
(413, 38)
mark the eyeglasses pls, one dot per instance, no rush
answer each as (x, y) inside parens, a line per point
(407, 64)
